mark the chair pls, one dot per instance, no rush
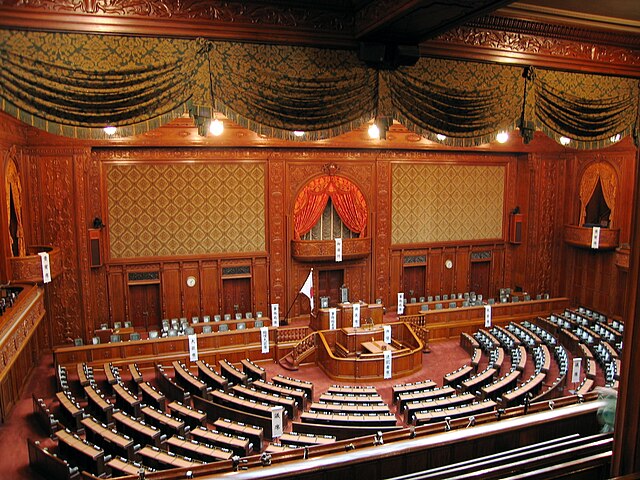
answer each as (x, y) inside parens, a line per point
(515, 299)
(195, 319)
(527, 298)
(258, 324)
(491, 301)
(465, 303)
(421, 299)
(378, 301)
(77, 342)
(216, 318)
(430, 298)
(438, 306)
(445, 297)
(437, 299)
(128, 324)
(103, 326)
(117, 325)
(189, 331)
(95, 340)
(227, 316)
(424, 308)
(258, 314)
(153, 334)
(539, 296)
(248, 315)
(241, 326)
(172, 332)
(134, 336)
(453, 304)
(414, 300)
(223, 328)
(238, 316)
(206, 319)
(115, 338)
(207, 329)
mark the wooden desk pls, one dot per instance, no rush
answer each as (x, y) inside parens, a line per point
(299, 395)
(308, 439)
(85, 455)
(110, 440)
(99, 404)
(191, 417)
(352, 419)
(307, 387)
(151, 396)
(253, 371)
(378, 346)
(163, 459)
(212, 378)
(399, 389)
(239, 445)
(121, 467)
(71, 410)
(125, 400)
(288, 403)
(187, 380)
(165, 422)
(253, 433)
(138, 430)
(199, 451)
(232, 374)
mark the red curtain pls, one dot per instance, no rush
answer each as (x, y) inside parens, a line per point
(347, 199)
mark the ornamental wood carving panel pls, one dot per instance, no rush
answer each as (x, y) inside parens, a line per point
(382, 239)
(277, 228)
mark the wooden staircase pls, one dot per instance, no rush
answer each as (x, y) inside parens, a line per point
(300, 352)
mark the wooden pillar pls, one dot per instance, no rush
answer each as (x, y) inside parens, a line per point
(626, 455)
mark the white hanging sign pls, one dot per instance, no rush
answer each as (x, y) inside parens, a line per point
(275, 315)
(356, 315)
(575, 371)
(333, 315)
(387, 333)
(46, 267)
(595, 237)
(193, 348)
(264, 339)
(277, 421)
(338, 249)
(400, 303)
(387, 363)
(487, 316)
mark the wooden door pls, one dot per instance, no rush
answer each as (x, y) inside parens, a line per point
(236, 295)
(480, 278)
(413, 279)
(329, 283)
(144, 306)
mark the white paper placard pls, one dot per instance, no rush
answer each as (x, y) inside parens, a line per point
(193, 348)
(595, 237)
(338, 249)
(46, 267)
(487, 316)
(387, 333)
(387, 363)
(333, 318)
(575, 371)
(276, 421)
(356, 315)
(275, 315)
(400, 303)
(264, 339)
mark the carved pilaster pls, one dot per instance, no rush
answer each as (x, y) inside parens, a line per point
(277, 231)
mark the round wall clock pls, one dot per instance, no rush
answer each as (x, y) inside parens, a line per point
(191, 281)
(448, 264)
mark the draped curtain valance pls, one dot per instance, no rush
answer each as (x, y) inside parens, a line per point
(605, 173)
(75, 84)
(347, 198)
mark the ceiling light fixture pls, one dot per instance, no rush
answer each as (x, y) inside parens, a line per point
(615, 138)
(564, 141)
(298, 133)
(441, 137)
(216, 127)
(502, 137)
(110, 130)
(374, 131)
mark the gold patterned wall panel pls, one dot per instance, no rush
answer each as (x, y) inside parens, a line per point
(441, 203)
(192, 209)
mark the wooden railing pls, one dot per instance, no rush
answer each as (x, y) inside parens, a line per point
(300, 352)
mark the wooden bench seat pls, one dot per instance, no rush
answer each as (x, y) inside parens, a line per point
(430, 416)
(341, 432)
(299, 395)
(294, 383)
(139, 430)
(163, 460)
(239, 445)
(212, 378)
(45, 418)
(253, 371)
(49, 465)
(121, 467)
(399, 389)
(198, 450)
(253, 432)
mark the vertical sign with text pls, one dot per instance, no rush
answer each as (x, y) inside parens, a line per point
(275, 315)
(356, 315)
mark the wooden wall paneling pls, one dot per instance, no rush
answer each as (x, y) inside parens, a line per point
(523, 195)
(171, 290)
(117, 284)
(277, 227)
(190, 295)
(260, 288)
(461, 264)
(447, 284)
(381, 236)
(435, 266)
(395, 271)
(497, 271)
(60, 187)
(209, 281)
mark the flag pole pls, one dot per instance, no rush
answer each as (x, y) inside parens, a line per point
(286, 317)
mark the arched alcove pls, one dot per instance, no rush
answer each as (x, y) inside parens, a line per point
(13, 189)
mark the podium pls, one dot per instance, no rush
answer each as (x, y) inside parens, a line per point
(344, 316)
